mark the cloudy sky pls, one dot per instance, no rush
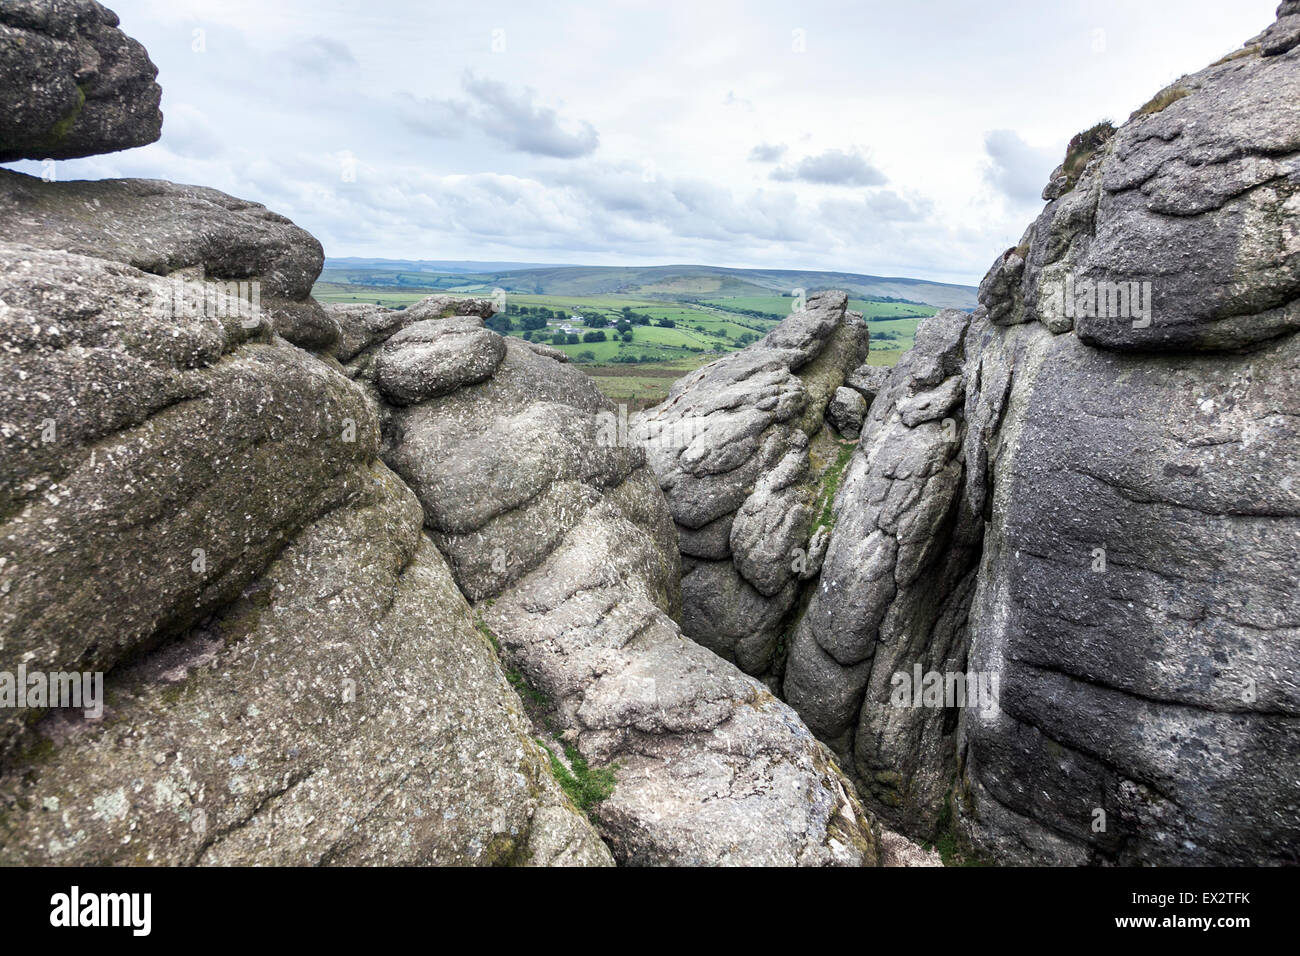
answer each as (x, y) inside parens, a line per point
(876, 137)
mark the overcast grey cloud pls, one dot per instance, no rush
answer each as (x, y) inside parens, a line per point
(571, 132)
(1016, 169)
(767, 152)
(514, 118)
(834, 167)
(321, 56)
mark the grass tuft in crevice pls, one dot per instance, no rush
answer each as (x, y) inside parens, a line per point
(824, 509)
(1162, 101)
(583, 785)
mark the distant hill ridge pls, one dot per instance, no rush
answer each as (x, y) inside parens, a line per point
(669, 280)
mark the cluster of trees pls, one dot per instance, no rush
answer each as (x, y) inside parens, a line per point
(532, 312)
(641, 318)
(532, 316)
(635, 318)
(532, 323)
(752, 313)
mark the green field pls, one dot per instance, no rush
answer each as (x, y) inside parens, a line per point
(340, 292)
(639, 372)
(640, 386)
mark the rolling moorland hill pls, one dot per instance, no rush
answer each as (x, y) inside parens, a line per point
(682, 316)
(670, 281)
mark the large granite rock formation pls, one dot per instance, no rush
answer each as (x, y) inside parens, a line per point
(1138, 591)
(1085, 499)
(895, 585)
(193, 514)
(71, 83)
(553, 524)
(189, 233)
(319, 558)
(196, 508)
(742, 456)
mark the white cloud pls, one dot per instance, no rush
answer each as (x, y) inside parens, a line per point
(616, 137)
(321, 56)
(767, 152)
(514, 119)
(834, 167)
(1016, 169)
(510, 117)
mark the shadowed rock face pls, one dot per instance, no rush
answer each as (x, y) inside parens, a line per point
(552, 522)
(1100, 510)
(1138, 590)
(71, 83)
(742, 456)
(1138, 597)
(895, 585)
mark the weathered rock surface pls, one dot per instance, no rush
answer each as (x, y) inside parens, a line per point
(847, 411)
(867, 381)
(894, 587)
(434, 357)
(188, 232)
(343, 710)
(138, 445)
(741, 455)
(194, 508)
(1195, 201)
(552, 522)
(1099, 509)
(71, 83)
(1138, 599)
(362, 328)
(898, 850)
